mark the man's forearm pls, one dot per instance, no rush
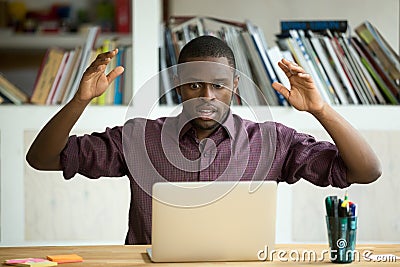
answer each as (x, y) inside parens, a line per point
(362, 163)
(44, 153)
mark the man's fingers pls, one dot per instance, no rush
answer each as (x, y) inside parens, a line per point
(115, 73)
(104, 58)
(281, 89)
(290, 68)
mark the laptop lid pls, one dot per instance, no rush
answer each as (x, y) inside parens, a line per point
(212, 221)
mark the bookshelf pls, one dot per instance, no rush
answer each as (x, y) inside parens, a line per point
(379, 124)
(38, 41)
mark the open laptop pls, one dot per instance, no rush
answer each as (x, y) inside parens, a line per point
(212, 221)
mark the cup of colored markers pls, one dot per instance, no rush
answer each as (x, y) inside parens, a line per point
(341, 222)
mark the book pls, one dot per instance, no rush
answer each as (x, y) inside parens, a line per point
(122, 16)
(365, 90)
(166, 91)
(11, 93)
(336, 63)
(249, 93)
(303, 59)
(319, 70)
(128, 76)
(57, 78)
(119, 80)
(260, 74)
(87, 48)
(262, 48)
(314, 25)
(390, 83)
(330, 71)
(375, 71)
(379, 99)
(348, 69)
(70, 69)
(47, 75)
(275, 55)
(107, 98)
(71, 76)
(376, 46)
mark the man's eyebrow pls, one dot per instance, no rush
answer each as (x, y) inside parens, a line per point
(220, 80)
(214, 80)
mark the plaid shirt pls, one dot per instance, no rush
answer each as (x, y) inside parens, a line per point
(147, 151)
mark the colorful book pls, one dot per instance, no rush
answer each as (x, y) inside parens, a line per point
(329, 69)
(314, 25)
(87, 49)
(375, 71)
(376, 46)
(47, 75)
(262, 48)
(11, 91)
(122, 16)
(57, 78)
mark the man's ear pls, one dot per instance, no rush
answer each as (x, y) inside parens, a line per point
(176, 85)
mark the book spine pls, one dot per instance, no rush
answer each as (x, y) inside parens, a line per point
(122, 16)
(101, 99)
(314, 25)
(333, 77)
(338, 67)
(118, 80)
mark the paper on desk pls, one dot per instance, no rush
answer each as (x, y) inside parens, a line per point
(30, 262)
(65, 258)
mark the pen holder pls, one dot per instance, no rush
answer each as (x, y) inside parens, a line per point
(342, 238)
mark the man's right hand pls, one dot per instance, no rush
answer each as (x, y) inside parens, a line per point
(95, 81)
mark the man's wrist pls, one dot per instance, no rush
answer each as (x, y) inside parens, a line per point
(322, 112)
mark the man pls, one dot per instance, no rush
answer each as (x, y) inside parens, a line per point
(207, 141)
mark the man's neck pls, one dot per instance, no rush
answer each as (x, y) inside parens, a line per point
(204, 133)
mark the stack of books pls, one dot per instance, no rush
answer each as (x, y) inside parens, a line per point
(61, 71)
(347, 68)
(10, 93)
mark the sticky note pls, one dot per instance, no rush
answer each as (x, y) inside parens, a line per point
(30, 262)
(65, 258)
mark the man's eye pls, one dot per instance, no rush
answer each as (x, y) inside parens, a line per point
(195, 85)
(218, 85)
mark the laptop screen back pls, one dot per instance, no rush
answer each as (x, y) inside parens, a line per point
(212, 221)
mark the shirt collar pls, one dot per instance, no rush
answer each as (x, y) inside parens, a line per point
(228, 125)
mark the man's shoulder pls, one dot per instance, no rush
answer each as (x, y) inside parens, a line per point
(248, 124)
(148, 124)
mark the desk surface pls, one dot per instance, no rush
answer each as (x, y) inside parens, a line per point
(136, 255)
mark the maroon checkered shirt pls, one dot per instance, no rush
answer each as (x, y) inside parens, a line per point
(147, 151)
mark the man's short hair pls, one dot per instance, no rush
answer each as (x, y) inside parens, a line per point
(207, 46)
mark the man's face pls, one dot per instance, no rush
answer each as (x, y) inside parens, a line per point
(206, 89)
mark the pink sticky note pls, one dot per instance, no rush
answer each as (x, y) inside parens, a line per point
(27, 260)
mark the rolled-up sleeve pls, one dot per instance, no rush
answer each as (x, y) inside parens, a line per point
(95, 155)
(318, 162)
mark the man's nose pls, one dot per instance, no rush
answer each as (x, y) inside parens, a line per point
(208, 91)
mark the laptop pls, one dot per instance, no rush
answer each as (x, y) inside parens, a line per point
(212, 221)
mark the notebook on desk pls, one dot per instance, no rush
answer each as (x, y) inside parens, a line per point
(212, 221)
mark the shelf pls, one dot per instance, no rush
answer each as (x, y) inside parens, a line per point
(43, 41)
(364, 118)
